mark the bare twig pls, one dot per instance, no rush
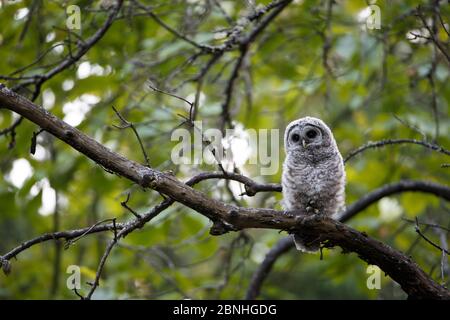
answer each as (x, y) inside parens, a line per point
(411, 126)
(125, 205)
(67, 235)
(226, 117)
(420, 233)
(382, 143)
(433, 38)
(151, 86)
(251, 187)
(138, 223)
(432, 225)
(127, 124)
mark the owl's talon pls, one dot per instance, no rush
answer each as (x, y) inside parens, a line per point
(317, 217)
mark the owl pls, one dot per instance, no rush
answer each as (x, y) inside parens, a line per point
(313, 176)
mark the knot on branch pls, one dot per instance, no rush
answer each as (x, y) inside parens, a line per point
(69, 134)
(250, 190)
(307, 220)
(5, 265)
(220, 227)
(148, 180)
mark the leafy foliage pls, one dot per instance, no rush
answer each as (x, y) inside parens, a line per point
(368, 85)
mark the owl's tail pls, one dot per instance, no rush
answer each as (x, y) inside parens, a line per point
(306, 244)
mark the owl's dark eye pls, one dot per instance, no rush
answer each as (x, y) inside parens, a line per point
(295, 137)
(311, 134)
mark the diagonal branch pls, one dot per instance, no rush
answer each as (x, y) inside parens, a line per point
(128, 124)
(286, 244)
(38, 80)
(126, 230)
(84, 46)
(420, 233)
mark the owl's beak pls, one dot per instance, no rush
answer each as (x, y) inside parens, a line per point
(304, 143)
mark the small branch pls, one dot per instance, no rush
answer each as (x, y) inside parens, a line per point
(443, 25)
(12, 131)
(276, 8)
(38, 59)
(66, 235)
(128, 124)
(125, 205)
(149, 12)
(433, 38)
(386, 142)
(71, 241)
(432, 225)
(411, 127)
(235, 40)
(251, 187)
(419, 232)
(205, 141)
(285, 244)
(34, 141)
(394, 188)
(225, 116)
(84, 47)
(78, 294)
(151, 86)
(100, 268)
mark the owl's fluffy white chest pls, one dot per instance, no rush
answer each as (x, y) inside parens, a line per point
(320, 186)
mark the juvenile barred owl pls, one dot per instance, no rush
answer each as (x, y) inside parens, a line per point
(313, 177)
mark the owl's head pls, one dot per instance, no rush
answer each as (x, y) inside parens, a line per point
(309, 137)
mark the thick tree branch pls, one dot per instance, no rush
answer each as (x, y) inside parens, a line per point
(228, 217)
(71, 236)
(286, 244)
